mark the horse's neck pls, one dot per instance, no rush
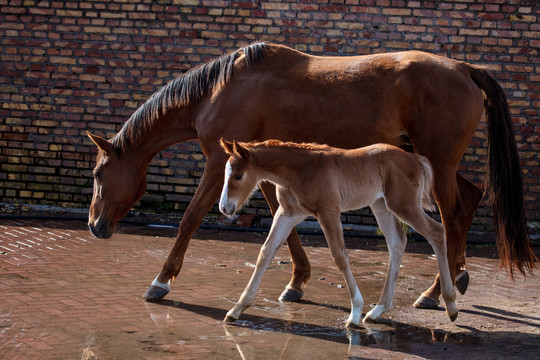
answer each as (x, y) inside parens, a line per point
(165, 130)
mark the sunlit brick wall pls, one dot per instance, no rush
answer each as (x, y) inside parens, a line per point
(71, 66)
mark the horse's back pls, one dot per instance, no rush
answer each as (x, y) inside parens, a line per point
(346, 102)
(328, 69)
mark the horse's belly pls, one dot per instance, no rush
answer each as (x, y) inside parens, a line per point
(358, 201)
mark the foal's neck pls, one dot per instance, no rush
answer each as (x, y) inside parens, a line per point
(283, 166)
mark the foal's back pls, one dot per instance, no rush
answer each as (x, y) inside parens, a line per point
(361, 176)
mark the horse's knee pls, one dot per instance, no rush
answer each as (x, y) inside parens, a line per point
(341, 260)
(433, 231)
(438, 232)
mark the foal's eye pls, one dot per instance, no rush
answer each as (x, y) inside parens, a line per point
(238, 177)
(97, 175)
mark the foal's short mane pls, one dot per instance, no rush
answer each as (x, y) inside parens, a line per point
(281, 150)
(191, 86)
(288, 145)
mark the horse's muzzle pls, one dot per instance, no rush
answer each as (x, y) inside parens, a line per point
(101, 229)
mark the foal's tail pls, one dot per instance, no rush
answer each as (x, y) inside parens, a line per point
(427, 201)
(504, 179)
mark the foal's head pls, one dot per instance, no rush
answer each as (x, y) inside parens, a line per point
(239, 180)
(118, 184)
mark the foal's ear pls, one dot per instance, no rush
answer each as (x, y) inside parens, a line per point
(241, 151)
(227, 146)
(101, 143)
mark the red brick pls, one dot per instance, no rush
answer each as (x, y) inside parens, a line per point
(93, 63)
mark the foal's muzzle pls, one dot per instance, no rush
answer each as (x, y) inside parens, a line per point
(227, 209)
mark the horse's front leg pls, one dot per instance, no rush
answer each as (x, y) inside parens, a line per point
(333, 233)
(281, 228)
(396, 241)
(301, 267)
(206, 195)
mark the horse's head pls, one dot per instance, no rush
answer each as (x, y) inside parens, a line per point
(239, 182)
(117, 186)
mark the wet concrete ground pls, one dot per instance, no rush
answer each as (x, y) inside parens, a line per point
(66, 295)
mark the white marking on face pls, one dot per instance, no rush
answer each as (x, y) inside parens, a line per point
(97, 189)
(228, 170)
(224, 192)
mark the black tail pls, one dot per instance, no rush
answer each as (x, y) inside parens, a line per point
(504, 179)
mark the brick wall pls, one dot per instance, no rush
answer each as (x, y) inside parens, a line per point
(71, 66)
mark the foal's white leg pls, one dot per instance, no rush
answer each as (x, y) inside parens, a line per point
(281, 228)
(331, 226)
(435, 235)
(396, 241)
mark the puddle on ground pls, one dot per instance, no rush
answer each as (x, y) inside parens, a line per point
(71, 296)
(291, 331)
(385, 334)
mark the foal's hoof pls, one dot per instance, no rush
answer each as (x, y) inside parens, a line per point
(291, 295)
(453, 317)
(352, 326)
(229, 319)
(425, 302)
(462, 282)
(369, 320)
(155, 293)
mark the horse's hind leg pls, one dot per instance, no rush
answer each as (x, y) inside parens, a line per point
(334, 237)
(396, 241)
(457, 199)
(470, 197)
(206, 195)
(281, 228)
(301, 267)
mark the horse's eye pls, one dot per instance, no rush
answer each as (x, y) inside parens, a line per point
(238, 177)
(97, 175)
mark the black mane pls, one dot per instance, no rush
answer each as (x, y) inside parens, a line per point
(191, 86)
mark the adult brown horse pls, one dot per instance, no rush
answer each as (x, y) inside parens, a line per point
(265, 91)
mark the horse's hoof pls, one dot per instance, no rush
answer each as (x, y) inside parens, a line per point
(369, 320)
(425, 302)
(155, 293)
(229, 319)
(462, 282)
(453, 317)
(352, 326)
(291, 295)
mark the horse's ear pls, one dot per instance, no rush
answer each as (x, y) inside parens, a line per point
(101, 143)
(227, 146)
(241, 151)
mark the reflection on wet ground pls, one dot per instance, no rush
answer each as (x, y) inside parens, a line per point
(64, 294)
(258, 337)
